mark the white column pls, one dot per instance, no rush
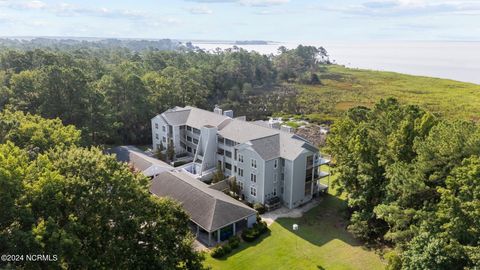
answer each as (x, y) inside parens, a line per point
(198, 230)
(218, 235)
(234, 229)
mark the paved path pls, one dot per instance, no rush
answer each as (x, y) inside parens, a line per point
(270, 217)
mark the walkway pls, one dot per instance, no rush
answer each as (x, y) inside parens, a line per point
(270, 217)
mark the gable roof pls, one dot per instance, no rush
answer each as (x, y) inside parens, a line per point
(199, 118)
(268, 142)
(149, 166)
(209, 208)
(268, 148)
(243, 131)
(176, 117)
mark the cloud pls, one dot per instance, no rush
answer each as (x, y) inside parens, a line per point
(201, 10)
(65, 9)
(252, 3)
(23, 5)
(408, 7)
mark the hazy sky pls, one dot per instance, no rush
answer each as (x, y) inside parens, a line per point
(278, 20)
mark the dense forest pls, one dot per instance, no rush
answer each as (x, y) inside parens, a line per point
(413, 182)
(111, 92)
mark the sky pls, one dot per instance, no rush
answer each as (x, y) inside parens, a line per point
(273, 20)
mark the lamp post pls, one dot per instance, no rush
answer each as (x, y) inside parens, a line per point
(295, 228)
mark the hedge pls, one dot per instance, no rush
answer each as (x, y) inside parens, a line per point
(250, 235)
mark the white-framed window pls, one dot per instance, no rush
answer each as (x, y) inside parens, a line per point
(275, 163)
(275, 178)
(253, 177)
(164, 139)
(253, 191)
(240, 158)
(164, 129)
(254, 163)
(274, 191)
(240, 185)
(156, 125)
(156, 136)
(240, 172)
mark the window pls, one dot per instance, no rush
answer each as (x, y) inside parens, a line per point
(240, 172)
(221, 140)
(156, 125)
(235, 168)
(274, 191)
(195, 141)
(282, 176)
(228, 166)
(189, 128)
(240, 185)
(182, 127)
(235, 154)
(156, 136)
(240, 158)
(254, 163)
(228, 154)
(196, 131)
(189, 138)
(220, 151)
(275, 164)
(163, 128)
(189, 149)
(275, 178)
(281, 190)
(253, 191)
(164, 139)
(253, 178)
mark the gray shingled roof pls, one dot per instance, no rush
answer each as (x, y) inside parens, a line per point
(177, 117)
(243, 131)
(149, 166)
(209, 208)
(269, 143)
(268, 148)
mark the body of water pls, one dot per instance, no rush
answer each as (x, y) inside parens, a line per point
(450, 60)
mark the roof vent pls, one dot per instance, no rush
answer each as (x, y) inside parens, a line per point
(228, 113)
(217, 110)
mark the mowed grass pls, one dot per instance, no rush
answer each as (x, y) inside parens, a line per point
(344, 88)
(321, 243)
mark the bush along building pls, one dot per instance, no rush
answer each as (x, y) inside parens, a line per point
(270, 164)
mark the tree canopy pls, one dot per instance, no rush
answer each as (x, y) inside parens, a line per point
(82, 205)
(111, 92)
(410, 180)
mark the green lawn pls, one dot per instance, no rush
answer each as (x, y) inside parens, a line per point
(320, 243)
(344, 88)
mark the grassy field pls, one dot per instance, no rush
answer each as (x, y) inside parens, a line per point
(321, 243)
(344, 88)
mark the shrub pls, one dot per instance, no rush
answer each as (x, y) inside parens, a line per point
(259, 207)
(220, 251)
(250, 235)
(234, 242)
(217, 252)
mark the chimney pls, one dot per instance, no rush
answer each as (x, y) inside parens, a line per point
(217, 110)
(228, 113)
(286, 129)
